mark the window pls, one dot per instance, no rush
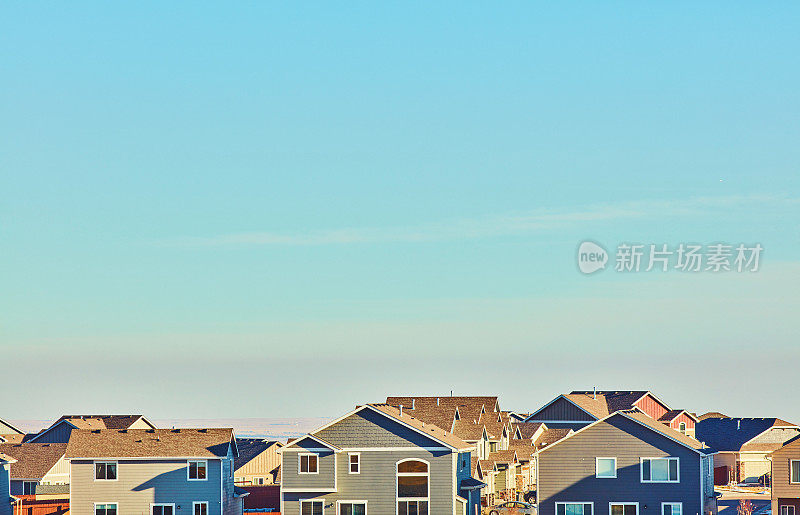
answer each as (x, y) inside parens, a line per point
(258, 480)
(29, 487)
(606, 467)
(311, 507)
(671, 508)
(355, 462)
(309, 464)
(197, 470)
(105, 509)
(623, 508)
(412, 487)
(105, 471)
(787, 510)
(492, 446)
(569, 508)
(200, 508)
(660, 470)
(353, 508)
(795, 471)
(162, 509)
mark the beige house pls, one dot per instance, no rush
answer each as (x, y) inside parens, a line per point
(40, 469)
(258, 463)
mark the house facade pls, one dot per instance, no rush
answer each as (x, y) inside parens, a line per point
(378, 460)
(153, 471)
(5, 484)
(785, 470)
(625, 464)
(258, 462)
(40, 470)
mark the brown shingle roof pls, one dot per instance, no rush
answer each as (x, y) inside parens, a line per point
(429, 429)
(34, 460)
(100, 421)
(152, 443)
(468, 430)
(601, 404)
(527, 429)
(663, 429)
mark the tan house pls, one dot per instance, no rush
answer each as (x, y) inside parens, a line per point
(785, 469)
(40, 469)
(258, 463)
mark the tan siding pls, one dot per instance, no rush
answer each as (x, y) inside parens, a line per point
(261, 466)
(780, 472)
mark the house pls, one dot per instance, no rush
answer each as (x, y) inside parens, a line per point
(785, 473)
(626, 463)
(744, 445)
(153, 471)
(378, 459)
(9, 433)
(258, 462)
(40, 469)
(580, 408)
(5, 484)
(61, 429)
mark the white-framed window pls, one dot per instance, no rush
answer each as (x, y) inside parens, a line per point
(354, 462)
(258, 480)
(200, 508)
(312, 507)
(105, 470)
(106, 508)
(660, 470)
(308, 463)
(623, 508)
(162, 509)
(29, 487)
(682, 427)
(605, 467)
(671, 508)
(787, 510)
(352, 508)
(794, 471)
(412, 487)
(574, 508)
(197, 470)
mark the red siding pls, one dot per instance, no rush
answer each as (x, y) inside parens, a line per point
(683, 417)
(651, 406)
(28, 505)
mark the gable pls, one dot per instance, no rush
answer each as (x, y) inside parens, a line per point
(58, 433)
(561, 409)
(8, 429)
(368, 428)
(652, 406)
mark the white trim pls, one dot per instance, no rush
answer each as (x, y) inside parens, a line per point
(788, 512)
(304, 489)
(205, 464)
(398, 475)
(141, 458)
(300, 457)
(624, 504)
(651, 458)
(116, 469)
(28, 481)
(162, 504)
(790, 473)
(314, 450)
(575, 502)
(328, 446)
(313, 499)
(670, 504)
(116, 506)
(195, 503)
(392, 449)
(12, 427)
(597, 461)
(350, 501)
(357, 463)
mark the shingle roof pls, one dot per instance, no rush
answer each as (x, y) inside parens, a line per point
(665, 430)
(670, 415)
(34, 460)
(11, 429)
(6, 458)
(100, 421)
(468, 430)
(429, 429)
(507, 456)
(523, 448)
(249, 448)
(603, 403)
(527, 429)
(133, 443)
(552, 435)
(710, 414)
(732, 434)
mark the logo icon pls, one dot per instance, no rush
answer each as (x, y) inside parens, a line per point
(591, 257)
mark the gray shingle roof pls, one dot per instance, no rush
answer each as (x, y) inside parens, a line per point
(34, 460)
(731, 434)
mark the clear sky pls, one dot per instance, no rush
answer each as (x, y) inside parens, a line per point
(284, 209)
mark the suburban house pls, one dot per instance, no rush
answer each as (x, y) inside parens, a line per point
(5, 484)
(378, 459)
(40, 469)
(580, 408)
(9, 433)
(744, 445)
(626, 463)
(60, 430)
(258, 462)
(153, 471)
(786, 478)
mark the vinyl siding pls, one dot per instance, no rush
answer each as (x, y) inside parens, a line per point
(370, 429)
(57, 434)
(377, 483)
(261, 466)
(324, 479)
(142, 482)
(651, 406)
(5, 429)
(5, 479)
(567, 470)
(561, 409)
(781, 487)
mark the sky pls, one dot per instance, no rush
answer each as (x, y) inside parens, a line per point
(263, 209)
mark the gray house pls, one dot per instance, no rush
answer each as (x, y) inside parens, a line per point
(5, 484)
(153, 471)
(625, 464)
(378, 460)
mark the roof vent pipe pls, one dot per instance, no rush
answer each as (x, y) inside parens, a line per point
(413, 402)
(437, 401)
(738, 425)
(594, 393)
(401, 410)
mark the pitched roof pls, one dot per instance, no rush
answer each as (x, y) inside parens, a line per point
(527, 429)
(16, 438)
(507, 456)
(670, 415)
(428, 429)
(101, 421)
(468, 430)
(249, 448)
(34, 460)
(523, 448)
(489, 402)
(6, 458)
(732, 434)
(551, 435)
(710, 414)
(9, 429)
(602, 403)
(150, 443)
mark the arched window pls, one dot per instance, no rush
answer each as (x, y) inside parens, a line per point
(682, 427)
(412, 487)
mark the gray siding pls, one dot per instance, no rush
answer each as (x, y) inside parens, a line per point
(567, 470)
(291, 478)
(561, 409)
(5, 479)
(376, 483)
(142, 482)
(58, 434)
(370, 429)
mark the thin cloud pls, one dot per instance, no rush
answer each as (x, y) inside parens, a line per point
(491, 226)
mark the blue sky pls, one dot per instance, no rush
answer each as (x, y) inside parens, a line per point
(263, 209)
